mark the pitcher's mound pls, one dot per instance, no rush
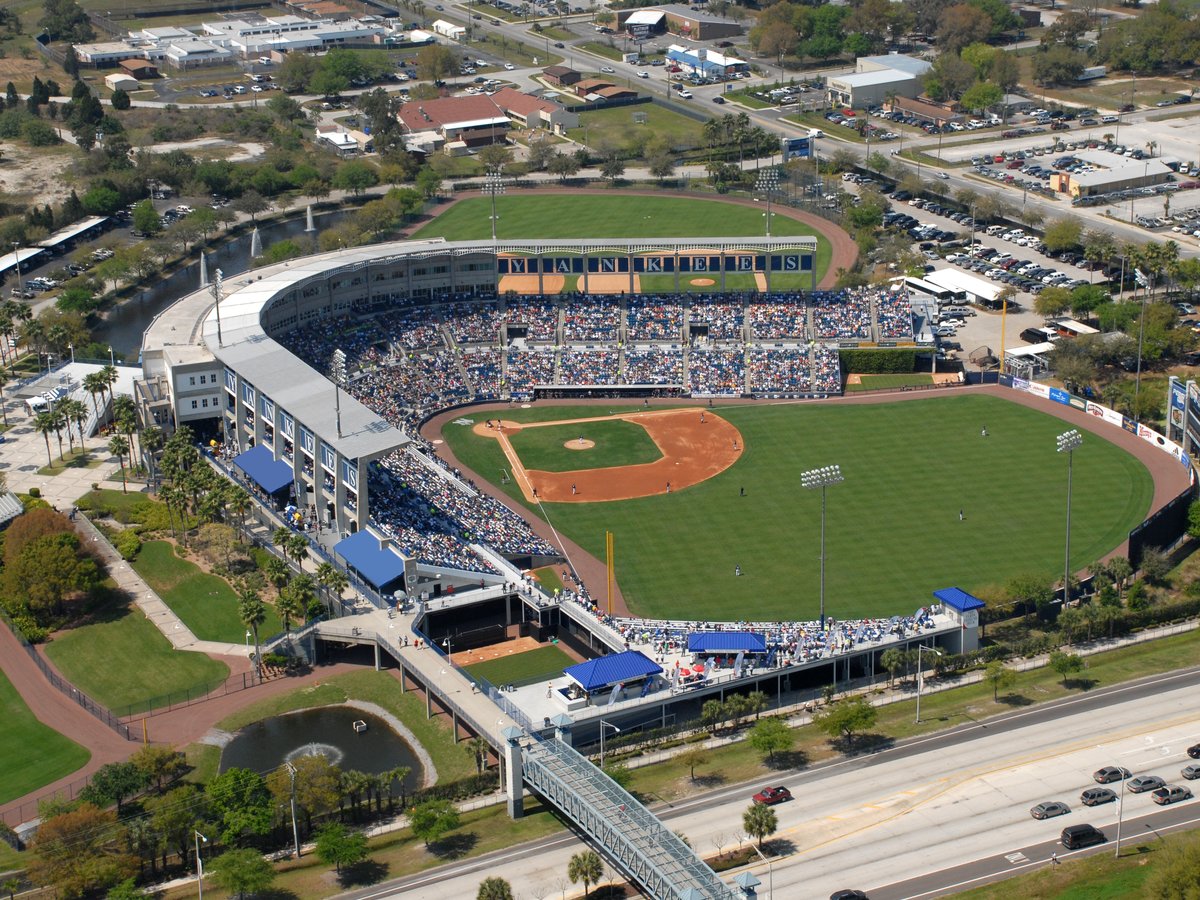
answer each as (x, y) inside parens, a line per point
(702, 282)
(580, 445)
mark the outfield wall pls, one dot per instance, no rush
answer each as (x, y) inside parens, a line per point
(1165, 525)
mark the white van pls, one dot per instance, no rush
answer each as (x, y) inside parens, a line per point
(947, 311)
(995, 230)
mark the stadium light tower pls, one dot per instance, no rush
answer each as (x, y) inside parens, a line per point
(1068, 442)
(493, 183)
(768, 183)
(814, 479)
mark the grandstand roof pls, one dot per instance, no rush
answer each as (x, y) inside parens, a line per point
(957, 598)
(618, 668)
(269, 473)
(726, 642)
(372, 558)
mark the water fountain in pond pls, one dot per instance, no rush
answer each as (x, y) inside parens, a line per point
(332, 754)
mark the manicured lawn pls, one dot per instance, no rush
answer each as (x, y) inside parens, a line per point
(618, 443)
(877, 382)
(72, 459)
(523, 668)
(112, 502)
(124, 662)
(206, 604)
(620, 215)
(893, 531)
(451, 760)
(34, 754)
(549, 578)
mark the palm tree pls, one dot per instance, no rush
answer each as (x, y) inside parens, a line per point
(60, 422)
(111, 377)
(277, 573)
(253, 613)
(479, 747)
(237, 502)
(75, 411)
(587, 867)
(493, 888)
(280, 539)
(297, 546)
(3, 402)
(95, 384)
(152, 441)
(43, 424)
(118, 446)
(125, 418)
(172, 497)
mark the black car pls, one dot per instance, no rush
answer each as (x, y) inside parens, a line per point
(1194, 751)
(847, 895)
(1075, 836)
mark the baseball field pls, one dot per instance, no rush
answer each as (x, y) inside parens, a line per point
(928, 502)
(590, 215)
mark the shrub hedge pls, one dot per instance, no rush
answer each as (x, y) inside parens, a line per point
(879, 361)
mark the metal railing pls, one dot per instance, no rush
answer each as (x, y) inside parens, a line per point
(65, 687)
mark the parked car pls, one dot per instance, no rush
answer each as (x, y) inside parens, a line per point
(1049, 810)
(1144, 783)
(771, 795)
(1171, 794)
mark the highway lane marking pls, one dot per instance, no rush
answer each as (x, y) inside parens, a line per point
(959, 780)
(992, 876)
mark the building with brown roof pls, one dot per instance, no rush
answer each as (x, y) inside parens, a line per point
(139, 68)
(926, 110)
(474, 121)
(534, 112)
(561, 76)
(602, 89)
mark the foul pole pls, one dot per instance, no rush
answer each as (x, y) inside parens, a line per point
(608, 546)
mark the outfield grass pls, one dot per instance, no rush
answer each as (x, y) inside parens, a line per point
(893, 530)
(523, 668)
(878, 382)
(621, 215)
(618, 443)
(34, 754)
(205, 603)
(122, 661)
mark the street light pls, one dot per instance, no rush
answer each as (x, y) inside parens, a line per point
(1120, 812)
(603, 725)
(449, 654)
(493, 183)
(768, 182)
(770, 872)
(248, 636)
(822, 478)
(921, 647)
(199, 864)
(112, 361)
(1068, 442)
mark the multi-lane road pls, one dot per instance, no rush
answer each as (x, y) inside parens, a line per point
(922, 819)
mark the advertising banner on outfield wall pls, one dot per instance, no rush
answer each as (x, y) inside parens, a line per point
(1058, 395)
(1111, 416)
(1176, 409)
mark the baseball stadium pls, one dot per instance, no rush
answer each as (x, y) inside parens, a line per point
(605, 469)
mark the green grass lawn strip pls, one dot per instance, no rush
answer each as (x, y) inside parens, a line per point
(123, 661)
(34, 754)
(205, 603)
(619, 215)
(522, 668)
(893, 531)
(618, 443)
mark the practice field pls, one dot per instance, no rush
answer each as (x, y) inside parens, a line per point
(894, 532)
(521, 668)
(625, 215)
(617, 443)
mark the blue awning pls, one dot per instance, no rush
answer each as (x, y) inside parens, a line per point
(619, 668)
(726, 642)
(957, 598)
(261, 466)
(379, 566)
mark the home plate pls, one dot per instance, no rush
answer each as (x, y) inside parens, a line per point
(1016, 858)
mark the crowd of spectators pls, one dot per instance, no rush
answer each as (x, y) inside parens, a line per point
(842, 315)
(791, 642)
(717, 372)
(777, 317)
(588, 366)
(411, 328)
(485, 372)
(775, 370)
(539, 315)
(654, 317)
(725, 321)
(525, 369)
(475, 322)
(653, 365)
(827, 370)
(893, 312)
(592, 318)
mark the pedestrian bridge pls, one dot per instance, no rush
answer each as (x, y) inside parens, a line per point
(610, 818)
